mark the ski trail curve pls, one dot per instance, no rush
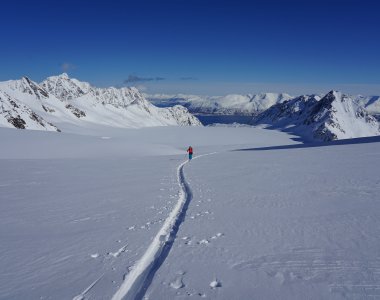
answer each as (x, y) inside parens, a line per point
(138, 280)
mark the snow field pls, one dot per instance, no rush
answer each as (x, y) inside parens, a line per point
(280, 224)
(65, 223)
(83, 215)
(76, 208)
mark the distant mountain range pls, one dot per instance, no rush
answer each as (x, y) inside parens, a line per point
(61, 102)
(322, 117)
(248, 105)
(233, 104)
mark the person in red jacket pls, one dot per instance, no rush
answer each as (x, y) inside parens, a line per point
(190, 151)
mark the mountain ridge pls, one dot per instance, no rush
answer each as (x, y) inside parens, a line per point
(231, 104)
(61, 102)
(334, 116)
(244, 104)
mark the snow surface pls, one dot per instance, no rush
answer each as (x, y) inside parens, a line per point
(82, 215)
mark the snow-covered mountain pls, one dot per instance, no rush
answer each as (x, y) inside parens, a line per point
(251, 104)
(371, 104)
(334, 116)
(14, 113)
(233, 104)
(61, 101)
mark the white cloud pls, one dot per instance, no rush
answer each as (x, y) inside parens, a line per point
(66, 67)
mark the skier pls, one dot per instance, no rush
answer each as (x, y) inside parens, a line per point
(190, 151)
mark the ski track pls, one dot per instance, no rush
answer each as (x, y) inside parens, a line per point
(138, 280)
(118, 252)
(81, 295)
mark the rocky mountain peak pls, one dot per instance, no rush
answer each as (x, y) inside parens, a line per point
(63, 87)
(334, 116)
(27, 86)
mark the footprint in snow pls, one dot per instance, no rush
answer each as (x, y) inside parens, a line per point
(177, 283)
(118, 252)
(200, 214)
(207, 241)
(215, 284)
(187, 240)
(219, 234)
(203, 242)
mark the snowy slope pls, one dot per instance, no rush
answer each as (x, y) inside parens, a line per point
(17, 115)
(222, 105)
(68, 104)
(334, 116)
(81, 216)
(371, 104)
(119, 101)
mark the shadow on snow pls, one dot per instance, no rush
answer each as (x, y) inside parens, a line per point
(364, 140)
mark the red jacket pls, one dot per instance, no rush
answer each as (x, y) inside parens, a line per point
(190, 150)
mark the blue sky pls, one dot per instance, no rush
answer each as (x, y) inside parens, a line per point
(201, 46)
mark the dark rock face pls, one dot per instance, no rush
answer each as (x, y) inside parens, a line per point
(17, 122)
(32, 88)
(48, 109)
(76, 111)
(20, 116)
